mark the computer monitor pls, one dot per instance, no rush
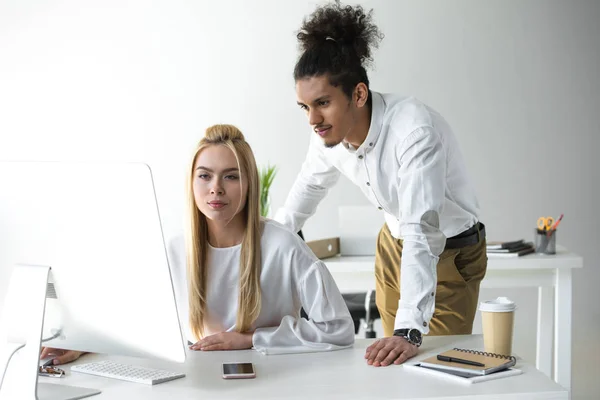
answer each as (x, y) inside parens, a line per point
(97, 226)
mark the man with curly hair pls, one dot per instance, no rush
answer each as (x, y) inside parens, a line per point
(431, 255)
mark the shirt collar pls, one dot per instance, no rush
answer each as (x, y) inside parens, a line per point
(377, 110)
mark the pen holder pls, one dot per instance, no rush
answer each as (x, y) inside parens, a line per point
(545, 244)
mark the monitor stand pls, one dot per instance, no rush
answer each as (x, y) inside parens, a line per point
(21, 326)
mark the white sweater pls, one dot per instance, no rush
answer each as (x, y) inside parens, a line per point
(292, 277)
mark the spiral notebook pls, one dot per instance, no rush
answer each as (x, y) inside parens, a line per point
(492, 362)
(461, 377)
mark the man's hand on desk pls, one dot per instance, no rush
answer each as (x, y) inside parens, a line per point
(386, 351)
(224, 341)
(61, 356)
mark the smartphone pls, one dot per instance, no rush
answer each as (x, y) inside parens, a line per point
(238, 371)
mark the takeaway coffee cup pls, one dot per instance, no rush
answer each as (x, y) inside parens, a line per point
(497, 317)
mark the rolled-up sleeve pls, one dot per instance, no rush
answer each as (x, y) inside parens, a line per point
(421, 193)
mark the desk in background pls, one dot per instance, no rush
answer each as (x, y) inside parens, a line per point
(552, 275)
(340, 374)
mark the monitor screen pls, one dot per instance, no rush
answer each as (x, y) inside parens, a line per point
(97, 226)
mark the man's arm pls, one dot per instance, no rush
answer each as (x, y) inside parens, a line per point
(422, 177)
(421, 192)
(316, 176)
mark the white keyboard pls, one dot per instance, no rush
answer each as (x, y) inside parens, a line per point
(110, 369)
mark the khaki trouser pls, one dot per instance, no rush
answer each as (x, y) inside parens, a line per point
(459, 273)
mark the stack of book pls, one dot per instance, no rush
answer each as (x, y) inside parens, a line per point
(515, 248)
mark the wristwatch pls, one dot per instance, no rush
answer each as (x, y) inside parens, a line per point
(412, 336)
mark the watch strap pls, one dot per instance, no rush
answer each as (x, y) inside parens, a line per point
(405, 334)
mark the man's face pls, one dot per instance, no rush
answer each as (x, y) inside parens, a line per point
(329, 111)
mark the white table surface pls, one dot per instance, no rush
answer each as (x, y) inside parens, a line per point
(551, 274)
(332, 375)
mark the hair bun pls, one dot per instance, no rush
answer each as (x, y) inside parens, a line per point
(346, 26)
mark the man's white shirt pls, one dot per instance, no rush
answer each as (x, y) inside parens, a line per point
(411, 168)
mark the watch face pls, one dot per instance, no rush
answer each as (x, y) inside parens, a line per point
(414, 336)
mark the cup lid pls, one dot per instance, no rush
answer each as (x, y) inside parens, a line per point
(501, 304)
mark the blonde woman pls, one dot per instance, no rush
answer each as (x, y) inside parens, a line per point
(240, 280)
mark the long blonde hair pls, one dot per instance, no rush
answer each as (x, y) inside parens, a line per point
(249, 301)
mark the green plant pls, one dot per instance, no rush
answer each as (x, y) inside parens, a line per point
(266, 175)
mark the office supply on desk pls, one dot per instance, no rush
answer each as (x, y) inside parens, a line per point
(125, 372)
(89, 268)
(459, 360)
(461, 377)
(500, 245)
(492, 362)
(512, 254)
(545, 223)
(555, 225)
(518, 250)
(545, 242)
(515, 249)
(545, 237)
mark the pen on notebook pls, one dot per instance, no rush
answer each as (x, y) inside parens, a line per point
(459, 360)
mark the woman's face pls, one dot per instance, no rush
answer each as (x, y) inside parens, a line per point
(219, 192)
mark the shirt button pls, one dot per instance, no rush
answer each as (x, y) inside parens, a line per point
(433, 294)
(368, 184)
(360, 157)
(379, 208)
(424, 323)
(371, 144)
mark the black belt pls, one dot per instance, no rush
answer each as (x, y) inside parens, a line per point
(467, 238)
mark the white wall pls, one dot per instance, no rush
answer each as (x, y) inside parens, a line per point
(518, 80)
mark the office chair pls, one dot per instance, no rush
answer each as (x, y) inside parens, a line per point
(362, 307)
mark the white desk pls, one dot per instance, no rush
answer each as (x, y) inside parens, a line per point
(340, 374)
(552, 275)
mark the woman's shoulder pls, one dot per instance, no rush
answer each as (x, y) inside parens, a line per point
(273, 230)
(279, 237)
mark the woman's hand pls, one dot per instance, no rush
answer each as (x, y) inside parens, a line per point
(224, 341)
(61, 356)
